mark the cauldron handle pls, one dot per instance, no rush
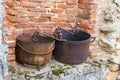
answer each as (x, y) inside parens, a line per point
(92, 39)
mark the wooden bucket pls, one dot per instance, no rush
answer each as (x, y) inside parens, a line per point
(29, 52)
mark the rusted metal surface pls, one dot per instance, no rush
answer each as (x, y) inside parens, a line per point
(35, 53)
(75, 49)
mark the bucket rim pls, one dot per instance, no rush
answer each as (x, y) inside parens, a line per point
(88, 39)
(75, 41)
(36, 43)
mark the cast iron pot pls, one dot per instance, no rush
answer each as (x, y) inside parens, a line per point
(75, 49)
(34, 53)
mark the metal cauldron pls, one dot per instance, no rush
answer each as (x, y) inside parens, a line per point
(75, 49)
(34, 53)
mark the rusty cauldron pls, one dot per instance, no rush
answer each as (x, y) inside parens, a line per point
(34, 53)
(74, 48)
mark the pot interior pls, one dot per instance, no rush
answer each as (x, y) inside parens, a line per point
(78, 36)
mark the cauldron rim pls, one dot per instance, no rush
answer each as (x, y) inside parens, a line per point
(32, 42)
(77, 41)
(74, 41)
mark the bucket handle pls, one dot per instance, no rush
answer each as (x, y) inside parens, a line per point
(92, 39)
(35, 52)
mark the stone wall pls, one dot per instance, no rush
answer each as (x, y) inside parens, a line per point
(1, 76)
(108, 36)
(3, 46)
(28, 16)
(108, 26)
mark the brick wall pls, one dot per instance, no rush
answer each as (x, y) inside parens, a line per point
(28, 16)
(87, 14)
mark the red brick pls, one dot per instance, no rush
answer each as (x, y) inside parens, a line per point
(22, 20)
(11, 45)
(27, 4)
(54, 19)
(28, 31)
(45, 25)
(93, 16)
(85, 11)
(11, 18)
(70, 18)
(92, 11)
(79, 20)
(12, 29)
(57, 10)
(62, 15)
(91, 1)
(25, 25)
(63, 6)
(81, 1)
(11, 57)
(9, 3)
(19, 32)
(84, 25)
(87, 6)
(46, 4)
(11, 51)
(84, 16)
(22, 15)
(37, 9)
(87, 21)
(12, 3)
(37, 1)
(28, 25)
(19, 26)
(71, 2)
(11, 37)
(11, 12)
(20, 9)
(71, 6)
(90, 31)
(91, 26)
(91, 7)
(8, 24)
(47, 15)
(34, 19)
(62, 19)
(62, 24)
(82, 6)
(43, 19)
(48, 30)
(17, 3)
(87, 26)
(32, 14)
(70, 11)
(88, 1)
(57, 1)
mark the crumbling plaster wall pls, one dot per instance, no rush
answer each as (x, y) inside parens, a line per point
(3, 45)
(108, 29)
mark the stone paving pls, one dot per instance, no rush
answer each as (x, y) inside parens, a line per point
(57, 71)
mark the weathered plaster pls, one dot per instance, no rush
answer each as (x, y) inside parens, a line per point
(3, 46)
